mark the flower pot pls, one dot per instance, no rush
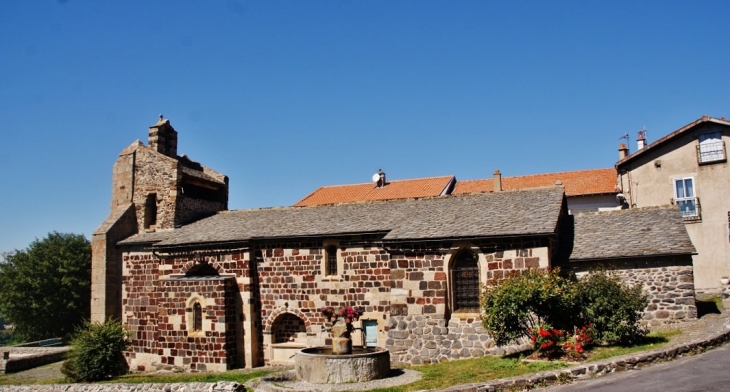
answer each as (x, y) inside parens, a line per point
(724, 280)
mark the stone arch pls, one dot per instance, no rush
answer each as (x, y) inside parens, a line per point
(195, 263)
(451, 258)
(268, 324)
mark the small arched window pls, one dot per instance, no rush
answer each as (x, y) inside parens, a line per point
(197, 317)
(465, 282)
(331, 260)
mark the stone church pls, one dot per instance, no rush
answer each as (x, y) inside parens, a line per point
(202, 288)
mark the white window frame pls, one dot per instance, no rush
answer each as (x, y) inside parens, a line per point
(685, 200)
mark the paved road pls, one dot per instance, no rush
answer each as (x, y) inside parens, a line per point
(703, 372)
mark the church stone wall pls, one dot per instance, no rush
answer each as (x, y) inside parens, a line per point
(158, 174)
(155, 307)
(291, 279)
(422, 328)
(213, 348)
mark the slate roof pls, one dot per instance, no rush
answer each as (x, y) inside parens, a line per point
(398, 189)
(201, 175)
(673, 135)
(576, 183)
(530, 212)
(633, 232)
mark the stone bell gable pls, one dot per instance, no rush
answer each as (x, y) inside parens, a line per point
(153, 189)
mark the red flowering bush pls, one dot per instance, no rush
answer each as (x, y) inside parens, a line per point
(346, 312)
(547, 341)
(576, 344)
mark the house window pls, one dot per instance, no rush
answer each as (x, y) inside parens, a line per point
(684, 195)
(711, 148)
(465, 282)
(197, 317)
(331, 260)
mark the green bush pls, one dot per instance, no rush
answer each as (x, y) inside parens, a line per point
(613, 307)
(601, 300)
(97, 352)
(521, 303)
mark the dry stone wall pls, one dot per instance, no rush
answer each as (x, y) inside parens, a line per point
(670, 290)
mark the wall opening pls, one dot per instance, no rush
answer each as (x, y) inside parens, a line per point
(465, 282)
(150, 211)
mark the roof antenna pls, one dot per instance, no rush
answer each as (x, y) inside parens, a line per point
(625, 136)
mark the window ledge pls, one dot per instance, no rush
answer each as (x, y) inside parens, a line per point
(463, 315)
(692, 219)
(710, 162)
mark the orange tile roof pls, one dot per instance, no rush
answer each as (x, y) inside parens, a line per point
(576, 183)
(398, 189)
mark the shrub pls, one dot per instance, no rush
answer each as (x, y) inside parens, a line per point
(97, 352)
(612, 307)
(547, 341)
(578, 342)
(523, 302)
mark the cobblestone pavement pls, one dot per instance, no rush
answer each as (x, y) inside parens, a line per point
(707, 326)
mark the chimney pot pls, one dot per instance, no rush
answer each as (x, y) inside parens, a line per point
(623, 151)
(641, 140)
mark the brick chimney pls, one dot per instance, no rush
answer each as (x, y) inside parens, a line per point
(497, 181)
(163, 138)
(623, 151)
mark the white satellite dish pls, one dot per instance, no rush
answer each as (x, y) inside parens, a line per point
(376, 177)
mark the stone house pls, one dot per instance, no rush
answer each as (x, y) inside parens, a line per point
(688, 169)
(646, 246)
(203, 288)
(586, 190)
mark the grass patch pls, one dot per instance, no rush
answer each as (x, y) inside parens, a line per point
(445, 374)
(650, 342)
(165, 378)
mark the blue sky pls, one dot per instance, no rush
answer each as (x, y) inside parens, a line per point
(286, 96)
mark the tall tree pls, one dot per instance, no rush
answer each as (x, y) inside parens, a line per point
(45, 290)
